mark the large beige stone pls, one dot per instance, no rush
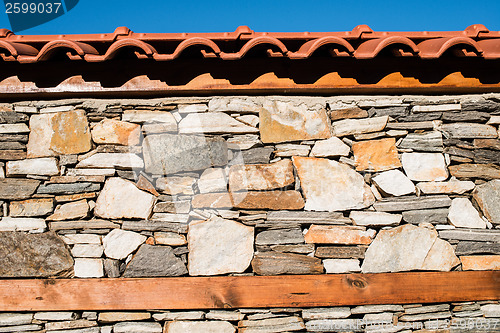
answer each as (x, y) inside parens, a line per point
(110, 131)
(212, 180)
(218, 246)
(70, 210)
(450, 187)
(330, 147)
(122, 199)
(359, 126)
(176, 185)
(286, 121)
(46, 166)
(374, 219)
(31, 207)
(112, 160)
(463, 215)
(217, 123)
(331, 186)
(60, 133)
(394, 182)
(376, 155)
(425, 166)
(273, 200)
(261, 176)
(118, 244)
(407, 248)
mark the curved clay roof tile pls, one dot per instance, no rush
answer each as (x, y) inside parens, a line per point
(371, 48)
(188, 43)
(308, 48)
(434, 48)
(253, 43)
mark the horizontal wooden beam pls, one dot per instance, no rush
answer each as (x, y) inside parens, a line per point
(247, 291)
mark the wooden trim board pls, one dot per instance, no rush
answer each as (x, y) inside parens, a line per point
(247, 291)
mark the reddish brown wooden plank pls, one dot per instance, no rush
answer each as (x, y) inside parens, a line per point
(248, 291)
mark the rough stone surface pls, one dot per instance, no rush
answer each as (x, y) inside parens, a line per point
(118, 244)
(341, 265)
(462, 214)
(176, 185)
(170, 238)
(471, 235)
(137, 327)
(17, 188)
(261, 176)
(376, 155)
(110, 131)
(279, 236)
(358, 126)
(340, 252)
(37, 166)
(427, 142)
(144, 116)
(407, 248)
(424, 166)
(214, 123)
(274, 200)
(33, 255)
(199, 327)
(11, 319)
(59, 133)
(122, 199)
(374, 219)
(218, 246)
(394, 182)
(31, 207)
(329, 148)
(169, 153)
(283, 122)
(22, 224)
(482, 171)
(491, 310)
(348, 235)
(70, 211)
(348, 113)
(480, 263)
(487, 197)
(112, 160)
(272, 325)
(88, 268)
(450, 187)
(326, 313)
(468, 131)
(276, 263)
(110, 317)
(212, 180)
(433, 216)
(87, 250)
(151, 261)
(331, 186)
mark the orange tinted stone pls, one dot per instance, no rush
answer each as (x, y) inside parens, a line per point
(116, 132)
(274, 200)
(328, 234)
(261, 176)
(376, 155)
(480, 263)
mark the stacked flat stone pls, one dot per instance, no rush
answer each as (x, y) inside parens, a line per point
(250, 185)
(424, 318)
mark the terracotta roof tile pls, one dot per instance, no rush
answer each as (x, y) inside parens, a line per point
(360, 43)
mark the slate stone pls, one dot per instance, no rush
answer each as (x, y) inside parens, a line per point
(487, 196)
(275, 263)
(468, 248)
(433, 216)
(13, 137)
(394, 111)
(33, 255)
(153, 261)
(468, 131)
(11, 155)
(482, 171)
(155, 226)
(12, 145)
(340, 252)
(429, 141)
(455, 151)
(412, 203)
(471, 116)
(471, 235)
(279, 236)
(259, 155)
(17, 188)
(413, 125)
(68, 188)
(427, 116)
(481, 105)
(486, 156)
(347, 113)
(170, 153)
(10, 117)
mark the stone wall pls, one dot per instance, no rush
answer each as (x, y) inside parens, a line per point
(249, 186)
(429, 318)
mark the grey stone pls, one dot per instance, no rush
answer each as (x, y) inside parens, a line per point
(199, 327)
(298, 217)
(88, 224)
(169, 153)
(483, 105)
(283, 324)
(412, 203)
(335, 325)
(11, 319)
(136, 327)
(279, 236)
(35, 255)
(471, 235)
(68, 188)
(413, 125)
(427, 309)
(340, 252)
(394, 111)
(429, 141)
(362, 309)
(10, 117)
(274, 263)
(471, 116)
(21, 328)
(112, 268)
(259, 155)
(468, 131)
(17, 188)
(153, 261)
(12, 145)
(487, 196)
(326, 313)
(486, 156)
(434, 216)
(467, 248)
(13, 137)
(294, 248)
(155, 226)
(426, 316)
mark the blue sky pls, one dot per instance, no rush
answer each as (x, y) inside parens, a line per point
(99, 16)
